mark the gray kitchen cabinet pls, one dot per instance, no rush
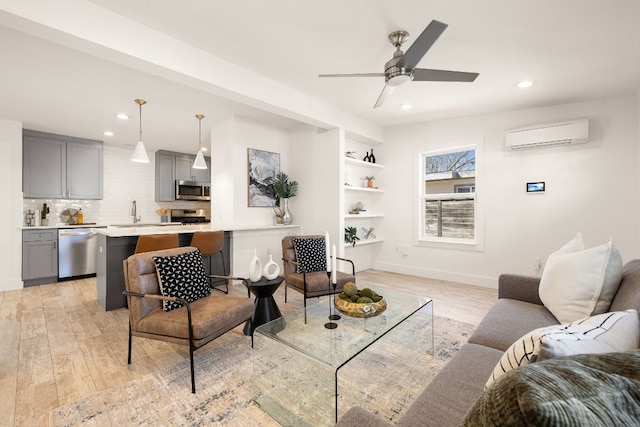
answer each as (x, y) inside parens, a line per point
(203, 175)
(61, 167)
(172, 166)
(184, 171)
(39, 256)
(44, 166)
(165, 177)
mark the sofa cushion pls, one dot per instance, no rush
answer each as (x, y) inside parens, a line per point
(455, 389)
(597, 334)
(571, 283)
(508, 320)
(628, 295)
(182, 276)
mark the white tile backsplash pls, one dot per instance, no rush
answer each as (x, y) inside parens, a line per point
(124, 181)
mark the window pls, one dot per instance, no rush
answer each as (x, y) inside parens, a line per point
(448, 195)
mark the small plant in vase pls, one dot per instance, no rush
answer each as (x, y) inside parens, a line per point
(284, 189)
(350, 235)
(370, 181)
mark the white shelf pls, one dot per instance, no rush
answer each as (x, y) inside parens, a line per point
(363, 242)
(365, 189)
(363, 216)
(361, 163)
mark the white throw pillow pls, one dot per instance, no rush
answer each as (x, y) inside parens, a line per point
(612, 279)
(574, 245)
(607, 332)
(571, 282)
(604, 333)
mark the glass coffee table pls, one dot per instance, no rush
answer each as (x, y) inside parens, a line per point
(297, 360)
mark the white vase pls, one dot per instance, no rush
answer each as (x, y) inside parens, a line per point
(255, 267)
(273, 266)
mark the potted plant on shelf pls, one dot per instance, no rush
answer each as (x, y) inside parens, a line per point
(284, 189)
(350, 235)
(370, 181)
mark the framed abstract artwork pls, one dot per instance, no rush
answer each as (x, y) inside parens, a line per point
(263, 167)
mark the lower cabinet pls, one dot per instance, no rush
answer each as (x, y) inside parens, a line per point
(39, 256)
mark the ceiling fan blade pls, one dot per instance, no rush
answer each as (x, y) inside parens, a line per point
(386, 91)
(428, 75)
(353, 75)
(423, 43)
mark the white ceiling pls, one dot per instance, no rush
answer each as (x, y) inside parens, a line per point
(574, 49)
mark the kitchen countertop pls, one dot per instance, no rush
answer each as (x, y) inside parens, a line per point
(168, 229)
(62, 225)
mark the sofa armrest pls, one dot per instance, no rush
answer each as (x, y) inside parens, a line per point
(522, 288)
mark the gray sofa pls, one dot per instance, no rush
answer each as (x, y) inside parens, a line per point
(448, 398)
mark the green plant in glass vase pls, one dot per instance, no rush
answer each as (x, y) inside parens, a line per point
(284, 189)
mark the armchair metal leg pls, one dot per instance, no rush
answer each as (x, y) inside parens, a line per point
(285, 292)
(224, 271)
(193, 376)
(130, 338)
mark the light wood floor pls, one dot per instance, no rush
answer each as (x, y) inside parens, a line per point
(57, 345)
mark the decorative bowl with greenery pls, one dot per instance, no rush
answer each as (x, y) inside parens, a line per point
(359, 302)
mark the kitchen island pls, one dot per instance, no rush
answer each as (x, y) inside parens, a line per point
(115, 244)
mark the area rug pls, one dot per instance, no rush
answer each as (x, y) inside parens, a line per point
(385, 379)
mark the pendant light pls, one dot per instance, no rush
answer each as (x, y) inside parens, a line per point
(200, 163)
(140, 154)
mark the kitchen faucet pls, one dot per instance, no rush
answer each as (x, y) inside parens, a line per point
(134, 213)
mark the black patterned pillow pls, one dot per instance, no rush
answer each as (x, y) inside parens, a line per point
(311, 254)
(182, 276)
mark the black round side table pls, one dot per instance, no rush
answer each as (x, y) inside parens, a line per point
(266, 308)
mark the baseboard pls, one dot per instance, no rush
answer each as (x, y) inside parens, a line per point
(10, 285)
(451, 276)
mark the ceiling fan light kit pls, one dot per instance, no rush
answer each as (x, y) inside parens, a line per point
(401, 69)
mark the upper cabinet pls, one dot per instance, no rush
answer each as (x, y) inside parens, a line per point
(171, 166)
(61, 167)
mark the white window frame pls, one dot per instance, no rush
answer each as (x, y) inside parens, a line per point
(475, 244)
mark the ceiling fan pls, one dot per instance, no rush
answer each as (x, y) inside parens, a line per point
(401, 68)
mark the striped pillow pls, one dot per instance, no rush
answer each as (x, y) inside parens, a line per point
(604, 333)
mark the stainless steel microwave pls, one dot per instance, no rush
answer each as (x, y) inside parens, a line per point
(193, 190)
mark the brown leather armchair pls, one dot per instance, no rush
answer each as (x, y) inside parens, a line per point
(194, 324)
(313, 284)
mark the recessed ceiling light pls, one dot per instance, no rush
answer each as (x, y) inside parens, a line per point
(405, 106)
(524, 84)
(108, 133)
(122, 116)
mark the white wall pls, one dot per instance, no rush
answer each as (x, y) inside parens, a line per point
(11, 207)
(591, 188)
(230, 140)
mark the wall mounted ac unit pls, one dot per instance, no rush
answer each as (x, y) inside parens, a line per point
(542, 135)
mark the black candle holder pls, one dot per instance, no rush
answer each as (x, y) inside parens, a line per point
(331, 325)
(334, 316)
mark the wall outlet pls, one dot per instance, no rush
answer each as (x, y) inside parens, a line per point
(536, 264)
(405, 251)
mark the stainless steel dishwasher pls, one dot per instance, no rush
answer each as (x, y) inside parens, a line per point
(77, 252)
